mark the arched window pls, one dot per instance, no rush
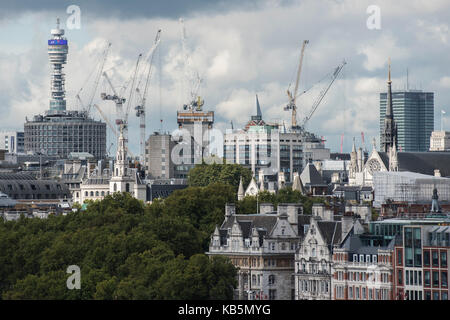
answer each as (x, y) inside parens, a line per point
(92, 193)
(96, 193)
(77, 195)
(86, 194)
(103, 193)
(272, 279)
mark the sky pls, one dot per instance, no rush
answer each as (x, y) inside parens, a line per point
(239, 49)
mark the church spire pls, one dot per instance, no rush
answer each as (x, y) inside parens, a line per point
(389, 134)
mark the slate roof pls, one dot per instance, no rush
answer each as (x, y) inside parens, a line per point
(354, 245)
(264, 223)
(331, 231)
(421, 162)
(310, 176)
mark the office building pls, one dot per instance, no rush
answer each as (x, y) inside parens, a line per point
(406, 118)
(272, 149)
(12, 141)
(158, 154)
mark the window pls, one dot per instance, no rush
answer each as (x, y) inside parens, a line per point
(92, 193)
(271, 279)
(350, 292)
(444, 295)
(426, 258)
(407, 277)
(435, 258)
(444, 278)
(272, 294)
(443, 259)
(374, 258)
(426, 278)
(86, 193)
(367, 258)
(427, 295)
(435, 295)
(400, 277)
(364, 295)
(435, 278)
(399, 257)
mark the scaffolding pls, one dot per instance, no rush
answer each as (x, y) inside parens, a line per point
(405, 186)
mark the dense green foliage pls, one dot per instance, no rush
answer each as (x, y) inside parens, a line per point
(125, 250)
(203, 175)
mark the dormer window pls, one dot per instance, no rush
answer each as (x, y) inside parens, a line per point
(355, 258)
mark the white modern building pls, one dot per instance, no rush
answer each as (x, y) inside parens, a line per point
(12, 141)
(440, 141)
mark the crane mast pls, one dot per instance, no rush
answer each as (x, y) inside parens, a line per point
(140, 108)
(292, 96)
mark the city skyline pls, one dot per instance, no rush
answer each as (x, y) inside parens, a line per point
(251, 58)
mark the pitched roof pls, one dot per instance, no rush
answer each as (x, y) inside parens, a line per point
(331, 231)
(310, 176)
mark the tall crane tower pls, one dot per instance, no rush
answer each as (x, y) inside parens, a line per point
(140, 108)
(192, 77)
(293, 95)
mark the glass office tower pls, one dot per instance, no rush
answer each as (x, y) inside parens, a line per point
(414, 117)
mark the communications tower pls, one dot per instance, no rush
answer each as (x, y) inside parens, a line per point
(57, 54)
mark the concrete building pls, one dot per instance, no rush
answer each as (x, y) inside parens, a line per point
(440, 141)
(272, 149)
(12, 141)
(59, 131)
(262, 246)
(159, 164)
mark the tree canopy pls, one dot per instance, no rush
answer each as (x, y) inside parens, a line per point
(203, 175)
(125, 250)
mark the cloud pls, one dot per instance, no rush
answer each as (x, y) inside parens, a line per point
(239, 48)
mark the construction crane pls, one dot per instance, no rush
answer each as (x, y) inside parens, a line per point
(140, 108)
(101, 64)
(322, 94)
(293, 95)
(119, 101)
(191, 75)
(111, 126)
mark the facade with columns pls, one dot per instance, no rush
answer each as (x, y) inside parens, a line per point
(262, 246)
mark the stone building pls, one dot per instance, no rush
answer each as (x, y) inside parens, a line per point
(262, 246)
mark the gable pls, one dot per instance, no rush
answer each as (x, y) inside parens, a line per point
(282, 224)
